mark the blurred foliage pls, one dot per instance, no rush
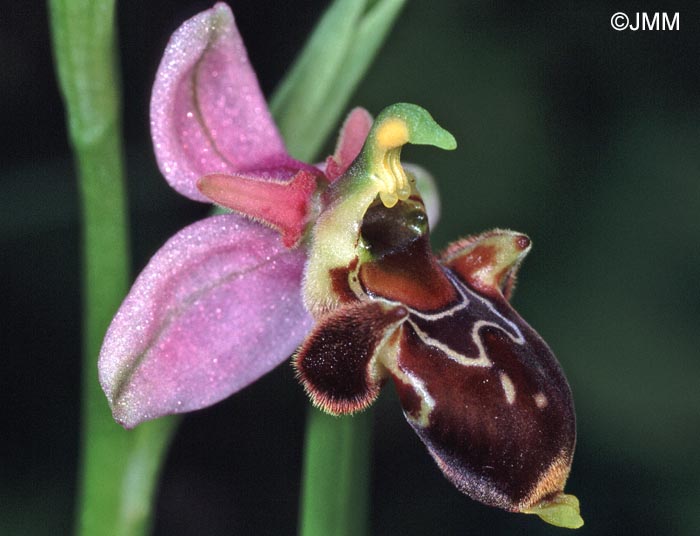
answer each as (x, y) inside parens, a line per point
(585, 138)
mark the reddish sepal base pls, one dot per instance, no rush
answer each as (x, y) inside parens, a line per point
(281, 205)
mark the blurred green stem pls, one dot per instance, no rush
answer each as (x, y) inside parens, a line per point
(118, 469)
(335, 491)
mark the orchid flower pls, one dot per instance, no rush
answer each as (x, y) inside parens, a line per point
(333, 261)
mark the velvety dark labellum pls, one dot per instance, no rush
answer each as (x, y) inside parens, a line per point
(496, 411)
(500, 421)
(480, 387)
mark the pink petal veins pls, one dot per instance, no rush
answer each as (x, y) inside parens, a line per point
(207, 111)
(217, 307)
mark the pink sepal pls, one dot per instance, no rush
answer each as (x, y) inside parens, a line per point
(208, 114)
(217, 307)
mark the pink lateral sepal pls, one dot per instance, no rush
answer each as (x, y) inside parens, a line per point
(350, 141)
(208, 113)
(281, 205)
(217, 307)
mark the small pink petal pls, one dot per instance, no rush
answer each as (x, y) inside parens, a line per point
(352, 137)
(208, 114)
(283, 205)
(217, 307)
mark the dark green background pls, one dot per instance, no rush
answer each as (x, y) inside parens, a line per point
(585, 138)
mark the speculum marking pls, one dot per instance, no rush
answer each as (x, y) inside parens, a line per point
(540, 400)
(508, 387)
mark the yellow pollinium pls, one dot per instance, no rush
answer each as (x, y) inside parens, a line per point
(392, 133)
(393, 182)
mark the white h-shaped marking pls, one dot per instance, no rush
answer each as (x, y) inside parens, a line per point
(481, 359)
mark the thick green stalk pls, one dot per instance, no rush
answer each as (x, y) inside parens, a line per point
(335, 493)
(118, 469)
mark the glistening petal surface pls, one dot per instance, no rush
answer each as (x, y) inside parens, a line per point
(208, 114)
(428, 191)
(217, 307)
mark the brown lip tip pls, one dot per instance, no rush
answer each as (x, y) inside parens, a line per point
(523, 242)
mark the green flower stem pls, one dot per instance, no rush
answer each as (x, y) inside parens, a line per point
(335, 498)
(118, 469)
